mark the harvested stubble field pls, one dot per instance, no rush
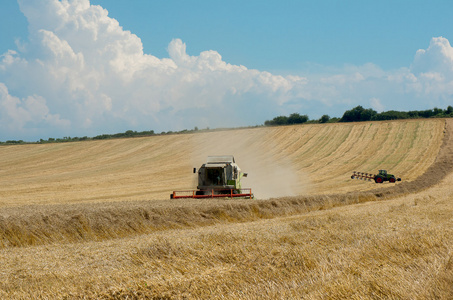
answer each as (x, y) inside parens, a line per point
(93, 219)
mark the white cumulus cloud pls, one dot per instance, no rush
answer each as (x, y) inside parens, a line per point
(16, 114)
(376, 104)
(95, 76)
(438, 58)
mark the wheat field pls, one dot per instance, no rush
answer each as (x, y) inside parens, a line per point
(280, 161)
(93, 220)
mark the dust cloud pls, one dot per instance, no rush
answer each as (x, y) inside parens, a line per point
(270, 173)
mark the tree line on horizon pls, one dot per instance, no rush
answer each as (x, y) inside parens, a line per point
(360, 114)
(126, 134)
(357, 114)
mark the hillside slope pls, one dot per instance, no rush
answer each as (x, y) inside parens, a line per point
(281, 161)
(345, 245)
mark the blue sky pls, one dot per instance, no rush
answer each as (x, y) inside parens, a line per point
(285, 35)
(76, 68)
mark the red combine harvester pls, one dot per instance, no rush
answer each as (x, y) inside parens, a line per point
(219, 177)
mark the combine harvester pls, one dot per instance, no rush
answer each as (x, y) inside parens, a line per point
(379, 178)
(219, 177)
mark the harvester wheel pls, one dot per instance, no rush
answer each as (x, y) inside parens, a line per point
(378, 179)
(392, 179)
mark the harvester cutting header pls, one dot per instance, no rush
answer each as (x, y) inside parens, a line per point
(378, 178)
(219, 177)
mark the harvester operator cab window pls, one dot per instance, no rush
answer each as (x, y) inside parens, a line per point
(215, 176)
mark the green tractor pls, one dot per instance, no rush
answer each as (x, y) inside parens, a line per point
(384, 176)
(379, 178)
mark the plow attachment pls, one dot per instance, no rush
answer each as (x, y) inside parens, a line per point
(362, 176)
(213, 193)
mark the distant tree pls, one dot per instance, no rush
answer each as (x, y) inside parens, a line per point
(129, 133)
(413, 114)
(334, 120)
(438, 111)
(296, 118)
(449, 110)
(324, 119)
(280, 120)
(426, 113)
(102, 137)
(391, 115)
(367, 114)
(357, 114)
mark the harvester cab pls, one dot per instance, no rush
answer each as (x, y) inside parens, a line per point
(220, 172)
(220, 176)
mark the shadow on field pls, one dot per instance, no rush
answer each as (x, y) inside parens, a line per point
(39, 225)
